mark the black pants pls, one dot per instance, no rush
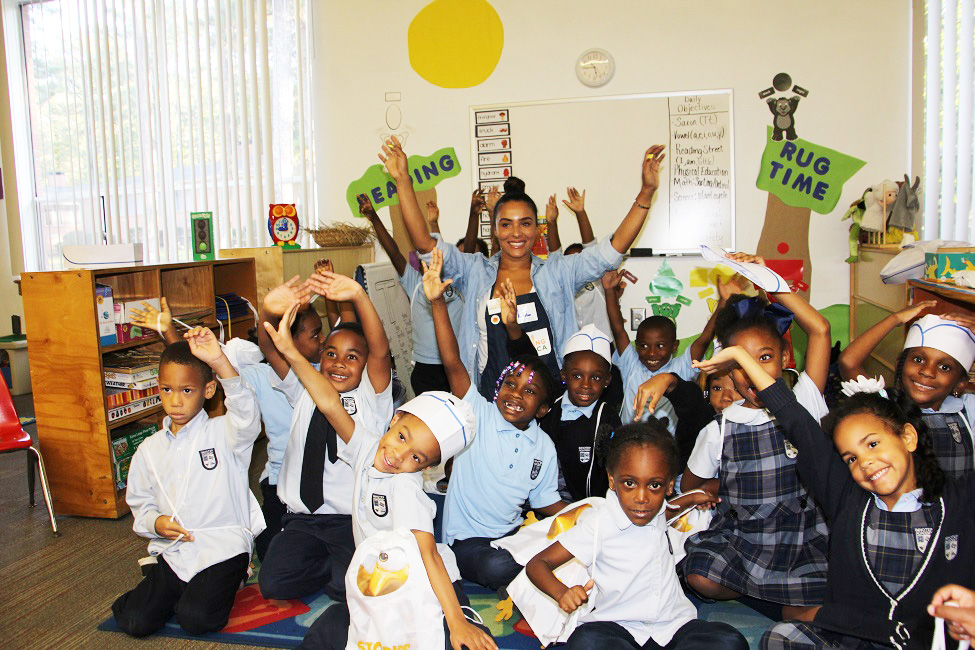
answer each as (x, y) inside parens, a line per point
(331, 630)
(310, 553)
(480, 562)
(429, 376)
(273, 510)
(694, 635)
(202, 605)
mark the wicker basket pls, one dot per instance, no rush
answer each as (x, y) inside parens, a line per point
(341, 234)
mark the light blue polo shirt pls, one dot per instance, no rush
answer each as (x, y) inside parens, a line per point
(496, 474)
(425, 348)
(635, 373)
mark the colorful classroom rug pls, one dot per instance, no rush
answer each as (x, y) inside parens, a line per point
(282, 624)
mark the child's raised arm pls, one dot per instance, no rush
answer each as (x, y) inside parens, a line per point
(160, 320)
(577, 203)
(344, 289)
(613, 286)
(630, 227)
(541, 571)
(394, 158)
(552, 217)
(277, 301)
(320, 389)
(820, 343)
(433, 287)
(701, 343)
(856, 353)
(462, 633)
(478, 205)
(385, 239)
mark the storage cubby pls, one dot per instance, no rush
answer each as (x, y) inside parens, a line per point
(66, 365)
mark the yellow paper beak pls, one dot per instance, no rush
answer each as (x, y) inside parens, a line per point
(381, 581)
(565, 521)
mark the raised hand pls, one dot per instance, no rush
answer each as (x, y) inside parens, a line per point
(650, 169)
(335, 287)
(612, 281)
(493, 196)
(204, 345)
(366, 209)
(395, 161)
(574, 597)
(433, 286)
(152, 318)
(278, 299)
(745, 257)
(433, 212)
(509, 302)
(911, 312)
(281, 337)
(576, 202)
(478, 202)
(551, 209)
(728, 288)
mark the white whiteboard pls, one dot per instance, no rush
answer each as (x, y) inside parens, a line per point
(597, 143)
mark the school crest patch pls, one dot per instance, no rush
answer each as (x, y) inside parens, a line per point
(951, 547)
(536, 468)
(348, 403)
(790, 450)
(590, 286)
(921, 537)
(955, 432)
(448, 292)
(585, 453)
(379, 505)
(209, 458)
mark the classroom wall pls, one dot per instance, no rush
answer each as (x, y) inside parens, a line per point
(11, 250)
(853, 57)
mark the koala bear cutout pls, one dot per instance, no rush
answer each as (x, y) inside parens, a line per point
(783, 109)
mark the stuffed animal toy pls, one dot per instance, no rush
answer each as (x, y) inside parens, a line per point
(878, 202)
(855, 213)
(907, 205)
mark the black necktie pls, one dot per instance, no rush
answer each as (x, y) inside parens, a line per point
(321, 438)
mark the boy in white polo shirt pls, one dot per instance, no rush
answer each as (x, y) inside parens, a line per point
(388, 490)
(188, 493)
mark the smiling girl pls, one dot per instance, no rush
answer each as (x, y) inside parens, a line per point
(899, 529)
(932, 371)
(767, 539)
(545, 289)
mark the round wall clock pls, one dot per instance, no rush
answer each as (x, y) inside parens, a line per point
(595, 67)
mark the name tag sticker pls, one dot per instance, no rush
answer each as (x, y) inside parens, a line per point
(527, 313)
(540, 340)
(494, 306)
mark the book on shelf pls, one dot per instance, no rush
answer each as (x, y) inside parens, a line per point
(124, 365)
(115, 397)
(132, 408)
(129, 382)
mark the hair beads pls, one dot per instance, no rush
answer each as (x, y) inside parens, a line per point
(509, 369)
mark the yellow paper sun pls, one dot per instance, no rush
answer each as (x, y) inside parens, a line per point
(456, 43)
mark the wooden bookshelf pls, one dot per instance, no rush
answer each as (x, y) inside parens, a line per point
(66, 364)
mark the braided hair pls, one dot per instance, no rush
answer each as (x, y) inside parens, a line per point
(539, 373)
(928, 473)
(612, 443)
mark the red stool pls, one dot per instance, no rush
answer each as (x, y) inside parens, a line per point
(14, 438)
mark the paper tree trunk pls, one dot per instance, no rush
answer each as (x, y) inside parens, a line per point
(785, 236)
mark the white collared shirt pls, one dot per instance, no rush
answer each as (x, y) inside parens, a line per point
(200, 474)
(369, 410)
(907, 502)
(705, 460)
(384, 501)
(635, 575)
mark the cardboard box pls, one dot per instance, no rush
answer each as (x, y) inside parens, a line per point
(105, 310)
(101, 256)
(942, 265)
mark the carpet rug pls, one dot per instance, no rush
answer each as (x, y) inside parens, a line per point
(282, 624)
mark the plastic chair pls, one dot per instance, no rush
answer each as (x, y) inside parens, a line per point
(14, 438)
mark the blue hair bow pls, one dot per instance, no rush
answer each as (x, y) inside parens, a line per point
(780, 316)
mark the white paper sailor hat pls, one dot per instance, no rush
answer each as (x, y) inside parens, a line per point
(590, 339)
(945, 335)
(450, 419)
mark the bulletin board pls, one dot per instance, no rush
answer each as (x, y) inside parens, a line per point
(597, 143)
